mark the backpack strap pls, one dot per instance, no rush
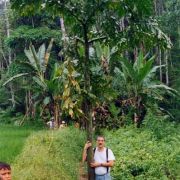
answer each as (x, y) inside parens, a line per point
(107, 159)
(94, 149)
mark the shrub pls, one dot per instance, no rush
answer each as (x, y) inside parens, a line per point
(9, 116)
(151, 152)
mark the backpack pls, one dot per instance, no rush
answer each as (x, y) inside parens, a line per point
(94, 149)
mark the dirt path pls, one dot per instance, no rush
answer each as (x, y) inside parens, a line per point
(82, 173)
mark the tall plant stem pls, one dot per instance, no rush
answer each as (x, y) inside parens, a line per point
(87, 103)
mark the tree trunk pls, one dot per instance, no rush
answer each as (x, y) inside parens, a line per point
(4, 61)
(159, 61)
(87, 103)
(56, 114)
(30, 109)
(7, 25)
(167, 68)
(178, 41)
(32, 21)
(135, 53)
(160, 64)
(31, 105)
(155, 7)
(26, 104)
(7, 28)
(121, 24)
(64, 35)
(142, 48)
(126, 54)
(12, 96)
(1, 67)
(48, 51)
(159, 9)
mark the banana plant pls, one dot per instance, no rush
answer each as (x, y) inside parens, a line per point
(37, 61)
(57, 90)
(139, 84)
(104, 54)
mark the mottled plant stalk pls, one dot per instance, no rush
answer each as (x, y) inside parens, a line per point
(87, 103)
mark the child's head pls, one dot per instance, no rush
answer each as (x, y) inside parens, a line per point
(5, 171)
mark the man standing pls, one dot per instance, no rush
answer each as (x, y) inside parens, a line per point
(103, 159)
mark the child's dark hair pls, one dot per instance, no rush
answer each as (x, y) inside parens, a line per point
(4, 165)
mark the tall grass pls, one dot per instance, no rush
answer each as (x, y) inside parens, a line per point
(50, 155)
(12, 139)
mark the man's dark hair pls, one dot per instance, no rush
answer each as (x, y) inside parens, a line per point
(100, 136)
(4, 165)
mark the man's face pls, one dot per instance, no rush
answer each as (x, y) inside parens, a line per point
(5, 174)
(100, 142)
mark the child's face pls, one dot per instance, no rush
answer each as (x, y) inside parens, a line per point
(5, 174)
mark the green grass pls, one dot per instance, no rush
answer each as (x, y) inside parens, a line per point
(12, 140)
(50, 155)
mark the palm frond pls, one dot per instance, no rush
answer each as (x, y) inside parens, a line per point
(152, 72)
(164, 87)
(144, 71)
(33, 51)
(14, 77)
(40, 82)
(41, 55)
(118, 72)
(29, 65)
(128, 70)
(138, 64)
(30, 57)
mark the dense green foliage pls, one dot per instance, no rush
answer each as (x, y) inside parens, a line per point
(84, 38)
(169, 21)
(148, 153)
(23, 35)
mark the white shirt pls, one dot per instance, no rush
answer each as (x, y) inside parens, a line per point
(51, 124)
(100, 157)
